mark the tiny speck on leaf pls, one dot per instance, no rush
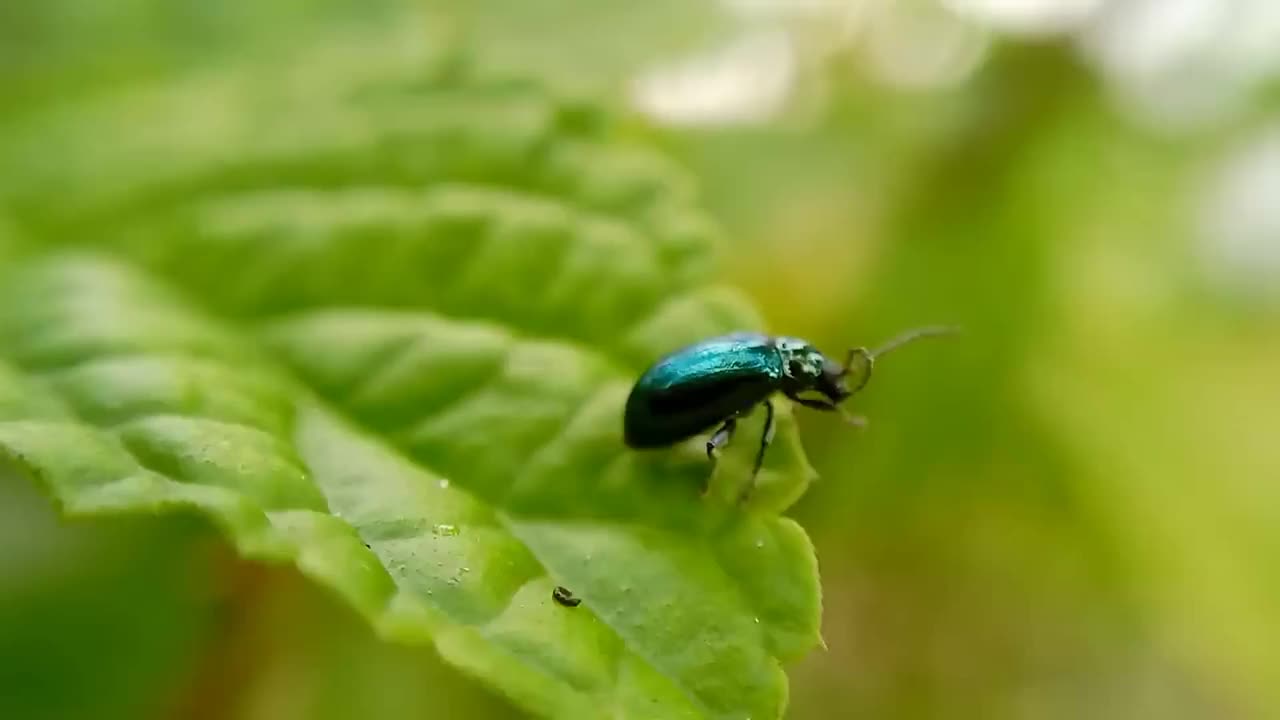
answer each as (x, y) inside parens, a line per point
(564, 597)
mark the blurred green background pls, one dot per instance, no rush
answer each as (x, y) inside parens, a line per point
(1074, 511)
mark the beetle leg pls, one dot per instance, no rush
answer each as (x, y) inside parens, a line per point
(828, 406)
(721, 437)
(766, 437)
(824, 405)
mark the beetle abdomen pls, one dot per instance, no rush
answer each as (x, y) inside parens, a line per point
(692, 390)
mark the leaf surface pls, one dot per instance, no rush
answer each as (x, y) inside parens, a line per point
(382, 327)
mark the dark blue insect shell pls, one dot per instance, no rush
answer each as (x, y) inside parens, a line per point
(693, 389)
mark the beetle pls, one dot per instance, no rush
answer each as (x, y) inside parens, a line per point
(715, 382)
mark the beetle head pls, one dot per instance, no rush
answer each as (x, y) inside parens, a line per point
(838, 382)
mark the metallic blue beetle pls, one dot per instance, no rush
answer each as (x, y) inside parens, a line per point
(716, 381)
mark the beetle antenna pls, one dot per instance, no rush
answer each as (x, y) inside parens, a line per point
(869, 357)
(912, 335)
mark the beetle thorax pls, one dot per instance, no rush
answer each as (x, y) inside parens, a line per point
(801, 362)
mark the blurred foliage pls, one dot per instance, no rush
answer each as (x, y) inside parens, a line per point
(80, 638)
(1071, 512)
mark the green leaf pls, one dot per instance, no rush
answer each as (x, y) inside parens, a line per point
(378, 319)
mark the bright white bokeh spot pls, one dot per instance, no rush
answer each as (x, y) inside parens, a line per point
(915, 47)
(1027, 17)
(1147, 37)
(748, 80)
(1172, 65)
(1240, 224)
(1251, 50)
(1179, 64)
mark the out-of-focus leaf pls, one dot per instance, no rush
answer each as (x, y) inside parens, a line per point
(70, 595)
(50, 51)
(596, 46)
